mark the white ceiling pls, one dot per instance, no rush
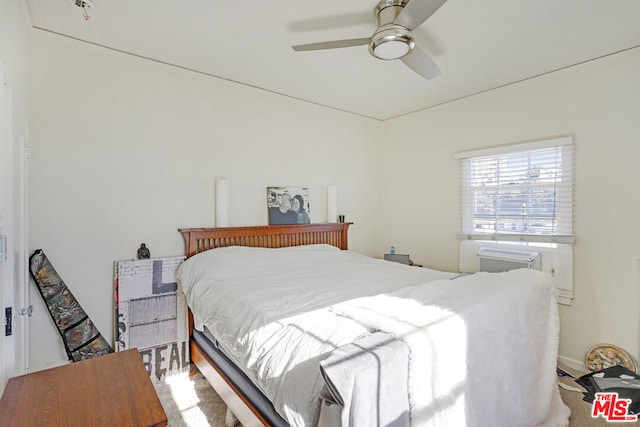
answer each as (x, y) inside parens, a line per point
(479, 45)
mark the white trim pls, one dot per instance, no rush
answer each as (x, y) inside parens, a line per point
(3, 188)
(533, 238)
(563, 300)
(572, 363)
(7, 278)
(22, 298)
(515, 148)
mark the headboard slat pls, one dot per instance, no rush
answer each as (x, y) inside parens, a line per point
(265, 236)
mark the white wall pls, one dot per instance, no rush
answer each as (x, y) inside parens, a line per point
(126, 151)
(598, 103)
(13, 48)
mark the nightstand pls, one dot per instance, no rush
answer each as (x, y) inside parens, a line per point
(109, 390)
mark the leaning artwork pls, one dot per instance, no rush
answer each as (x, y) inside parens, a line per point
(288, 205)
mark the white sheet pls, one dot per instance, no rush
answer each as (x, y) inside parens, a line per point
(280, 311)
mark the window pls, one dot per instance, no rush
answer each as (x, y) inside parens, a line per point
(521, 192)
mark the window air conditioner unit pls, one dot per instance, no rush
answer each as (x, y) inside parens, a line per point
(495, 260)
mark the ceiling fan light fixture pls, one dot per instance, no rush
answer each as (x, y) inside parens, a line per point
(392, 37)
(391, 43)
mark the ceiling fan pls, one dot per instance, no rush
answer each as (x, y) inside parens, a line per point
(392, 39)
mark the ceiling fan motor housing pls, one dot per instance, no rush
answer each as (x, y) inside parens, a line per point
(390, 41)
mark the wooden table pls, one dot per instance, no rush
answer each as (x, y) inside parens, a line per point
(110, 390)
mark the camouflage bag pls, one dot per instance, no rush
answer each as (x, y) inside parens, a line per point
(81, 338)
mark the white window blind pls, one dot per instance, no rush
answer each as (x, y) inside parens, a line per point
(520, 192)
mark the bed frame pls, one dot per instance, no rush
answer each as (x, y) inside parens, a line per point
(272, 236)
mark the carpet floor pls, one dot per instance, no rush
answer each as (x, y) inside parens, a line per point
(190, 401)
(580, 410)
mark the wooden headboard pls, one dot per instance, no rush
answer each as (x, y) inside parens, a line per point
(197, 240)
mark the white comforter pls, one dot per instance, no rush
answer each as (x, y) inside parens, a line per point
(483, 347)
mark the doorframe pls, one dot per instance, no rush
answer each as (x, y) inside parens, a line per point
(21, 296)
(14, 291)
(7, 354)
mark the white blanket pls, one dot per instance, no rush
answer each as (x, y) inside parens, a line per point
(279, 312)
(483, 348)
(368, 379)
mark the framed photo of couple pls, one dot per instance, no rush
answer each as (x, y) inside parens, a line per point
(288, 205)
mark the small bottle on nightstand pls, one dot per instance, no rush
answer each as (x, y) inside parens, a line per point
(392, 250)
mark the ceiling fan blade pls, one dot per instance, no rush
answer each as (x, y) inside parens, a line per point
(331, 22)
(416, 12)
(422, 63)
(331, 45)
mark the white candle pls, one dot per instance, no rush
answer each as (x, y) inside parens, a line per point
(332, 203)
(222, 203)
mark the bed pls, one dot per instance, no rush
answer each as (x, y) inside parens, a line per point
(291, 328)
